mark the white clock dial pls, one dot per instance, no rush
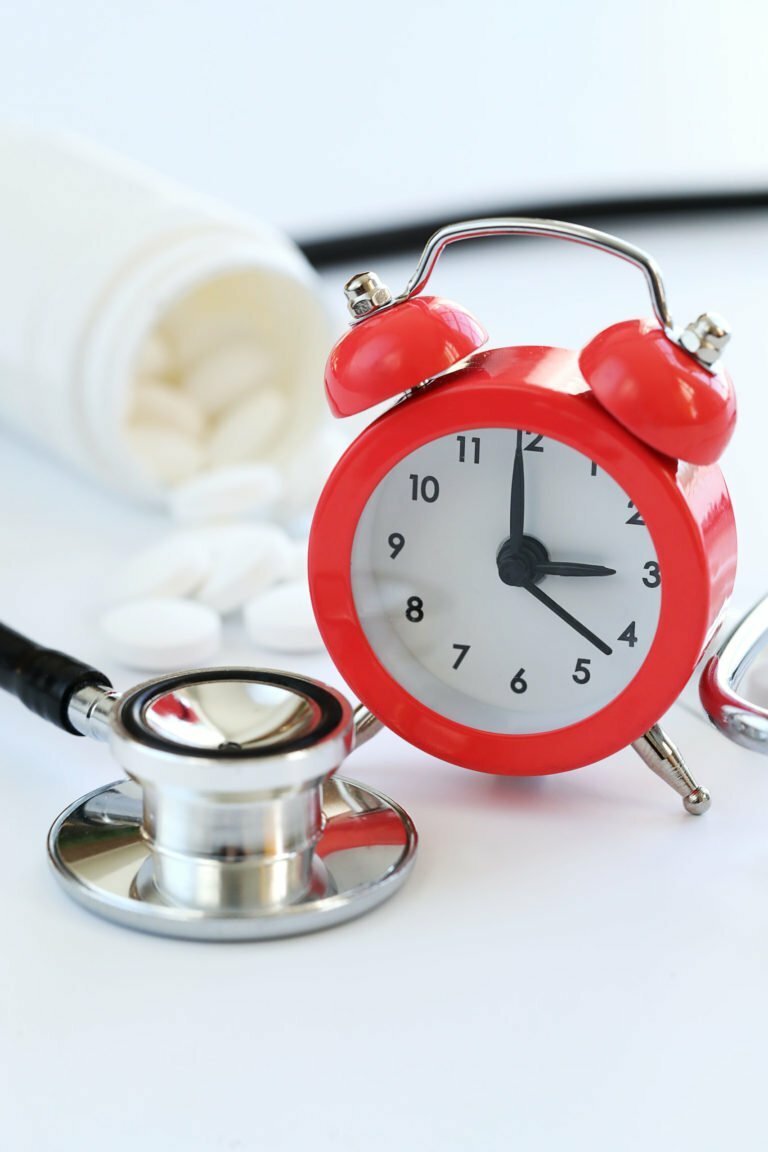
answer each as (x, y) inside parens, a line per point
(524, 657)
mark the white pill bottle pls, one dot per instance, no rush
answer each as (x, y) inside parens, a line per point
(113, 282)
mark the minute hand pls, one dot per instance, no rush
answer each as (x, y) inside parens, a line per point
(582, 629)
(517, 499)
(567, 568)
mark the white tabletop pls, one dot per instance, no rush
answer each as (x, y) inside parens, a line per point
(575, 963)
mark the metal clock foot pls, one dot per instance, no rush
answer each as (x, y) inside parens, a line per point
(665, 759)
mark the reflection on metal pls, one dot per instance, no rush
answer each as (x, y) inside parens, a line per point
(234, 825)
(735, 716)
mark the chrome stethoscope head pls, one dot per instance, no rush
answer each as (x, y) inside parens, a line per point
(233, 824)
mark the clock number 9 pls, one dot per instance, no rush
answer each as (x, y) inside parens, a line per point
(396, 542)
(518, 684)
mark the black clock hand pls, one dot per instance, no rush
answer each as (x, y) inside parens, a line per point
(582, 629)
(566, 568)
(517, 500)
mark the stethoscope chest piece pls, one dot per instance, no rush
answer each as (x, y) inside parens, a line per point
(233, 824)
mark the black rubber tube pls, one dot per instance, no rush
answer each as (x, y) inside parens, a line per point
(43, 679)
(401, 239)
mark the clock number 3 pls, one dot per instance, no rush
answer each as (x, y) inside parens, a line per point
(653, 579)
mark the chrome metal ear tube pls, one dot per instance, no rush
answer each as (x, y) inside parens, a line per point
(736, 717)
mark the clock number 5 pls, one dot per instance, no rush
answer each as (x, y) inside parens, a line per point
(581, 673)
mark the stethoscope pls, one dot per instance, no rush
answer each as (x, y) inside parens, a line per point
(233, 823)
(732, 714)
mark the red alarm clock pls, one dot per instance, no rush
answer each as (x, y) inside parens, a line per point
(518, 566)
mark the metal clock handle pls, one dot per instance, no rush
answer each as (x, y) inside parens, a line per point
(556, 230)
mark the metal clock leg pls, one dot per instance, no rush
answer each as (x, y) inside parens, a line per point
(664, 758)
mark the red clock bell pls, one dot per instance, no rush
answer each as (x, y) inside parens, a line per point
(517, 567)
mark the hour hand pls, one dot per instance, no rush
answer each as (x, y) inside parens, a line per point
(567, 568)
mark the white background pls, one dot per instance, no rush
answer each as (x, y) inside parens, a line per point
(575, 964)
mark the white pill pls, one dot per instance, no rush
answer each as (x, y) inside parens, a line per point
(162, 634)
(154, 357)
(174, 567)
(226, 374)
(248, 429)
(308, 470)
(226, 493)
(156, 403)
(282, 619)
(246, 560)
(298, 561)
(166, 454)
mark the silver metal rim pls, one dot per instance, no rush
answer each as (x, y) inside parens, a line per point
(97, 850)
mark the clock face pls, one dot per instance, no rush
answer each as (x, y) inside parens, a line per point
(505, 581)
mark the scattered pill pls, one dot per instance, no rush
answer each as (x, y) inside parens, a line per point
(282, 619)
(226, 493)
(161, 634)
(247, 559)
(160, 404)
(307, 471)
(297, 561)
(248, 429)
(167, 455)
(154, 357)
(227, 374)
(176, 566)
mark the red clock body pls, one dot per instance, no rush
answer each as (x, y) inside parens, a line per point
(575, 648)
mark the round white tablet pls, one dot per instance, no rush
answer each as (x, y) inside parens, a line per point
(298, 562)
(159, 635)
(248, 429)
(226, 373)
(247, 558)
(226, 493)
(166, 453)
(176, 566)
(282, 620)
(154, 357)
(157, 403)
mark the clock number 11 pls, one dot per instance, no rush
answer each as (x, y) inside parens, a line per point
(463, 449)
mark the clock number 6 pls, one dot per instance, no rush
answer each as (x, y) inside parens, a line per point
(518, 684)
